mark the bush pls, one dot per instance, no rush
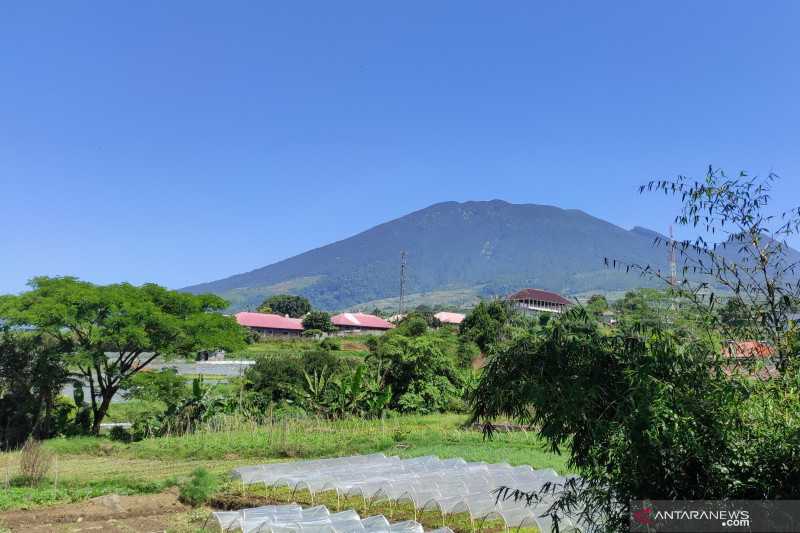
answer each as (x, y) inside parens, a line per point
(34, 462)
(421, 375)
(165, 385)
(199, 488)
(330, 343)
(645, 412)
(318, 320)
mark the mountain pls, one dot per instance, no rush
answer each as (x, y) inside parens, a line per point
(455, 251)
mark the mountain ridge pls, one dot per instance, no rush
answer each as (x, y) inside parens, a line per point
(490, 247)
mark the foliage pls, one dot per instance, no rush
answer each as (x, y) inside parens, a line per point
(348, 395)
(34, 462)
(164, 385)
(653, 408)
(754, 265)
(285, 304)
(279, 379)
(330, 343)
(319, 320)
(32, 374)
(597, 305)
(680, 426)
(199, 488)
(412, 325)
(484, 325)
(135, 324)
(421, 375)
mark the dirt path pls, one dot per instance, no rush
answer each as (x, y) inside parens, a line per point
(113, 513)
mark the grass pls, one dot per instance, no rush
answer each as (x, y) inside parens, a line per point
(294, 346)
(85, 467)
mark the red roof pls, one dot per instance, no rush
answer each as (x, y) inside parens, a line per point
(749, 349)
(360, 320)
(536, 294)
(449, 318)
(263, 320)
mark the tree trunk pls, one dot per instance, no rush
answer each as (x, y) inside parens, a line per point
(101, 411)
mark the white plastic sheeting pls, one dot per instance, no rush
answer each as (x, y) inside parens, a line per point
(294, 519)
(449, 485)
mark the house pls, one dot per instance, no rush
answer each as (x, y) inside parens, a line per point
(751, 358)
(537, 301)
(446, 317)
(269, 324)
(749, 350)
(360, 322)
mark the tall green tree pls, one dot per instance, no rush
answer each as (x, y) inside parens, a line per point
(319, 320)
(597, 305)
(32, 374)
(286, 304)
(116, 330)
(484, 325)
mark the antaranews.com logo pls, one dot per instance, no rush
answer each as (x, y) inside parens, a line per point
(714, 516)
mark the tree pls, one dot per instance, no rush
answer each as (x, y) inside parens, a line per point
(420, 374)
(319, 320)
(654, 409)
(286, 304)
(597, 305)
(752, 265)
(116, 330)
(484, 325)
(32, 374)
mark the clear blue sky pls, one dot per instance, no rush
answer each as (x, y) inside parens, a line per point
(183, 141)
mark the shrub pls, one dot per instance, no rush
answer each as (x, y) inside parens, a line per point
(330, 343)
(421, 375)
(34, 462)
(318, 320)
(165, 385)
(199, 488)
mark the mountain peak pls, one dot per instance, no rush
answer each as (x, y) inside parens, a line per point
(457, 251)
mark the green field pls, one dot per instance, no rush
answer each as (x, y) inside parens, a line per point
(84, 467)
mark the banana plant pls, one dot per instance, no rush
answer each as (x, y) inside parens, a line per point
(316, 390)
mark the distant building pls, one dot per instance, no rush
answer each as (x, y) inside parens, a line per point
(538, 301)
(269, 324)
(749, 350)
(360, 322)
(446, 317)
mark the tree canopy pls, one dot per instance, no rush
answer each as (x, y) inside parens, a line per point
(114, 331)
(286, 304)
(318, 320)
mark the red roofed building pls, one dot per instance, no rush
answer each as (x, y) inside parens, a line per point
(360, 322)
(536, 300)
(449, 318)
(749, 350)
(268, 324)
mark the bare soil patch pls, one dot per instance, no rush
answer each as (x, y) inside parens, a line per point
(114, 513)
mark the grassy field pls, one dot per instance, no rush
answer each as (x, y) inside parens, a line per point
(294, 346)
(84, 467)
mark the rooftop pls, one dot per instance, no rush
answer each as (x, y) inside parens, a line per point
(360, 320)
(269, 321)
(538, 294)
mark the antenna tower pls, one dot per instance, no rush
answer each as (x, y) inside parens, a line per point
(673, 263)
(402, 280)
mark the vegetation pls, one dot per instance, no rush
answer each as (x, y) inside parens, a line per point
(32, 373)
(199, 488)
(319, 321)
(653, 408)
(91, 466)
(285, 304)
(134, 324)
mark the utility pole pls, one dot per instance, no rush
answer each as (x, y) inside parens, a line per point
(402, 280)
(673, 266)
